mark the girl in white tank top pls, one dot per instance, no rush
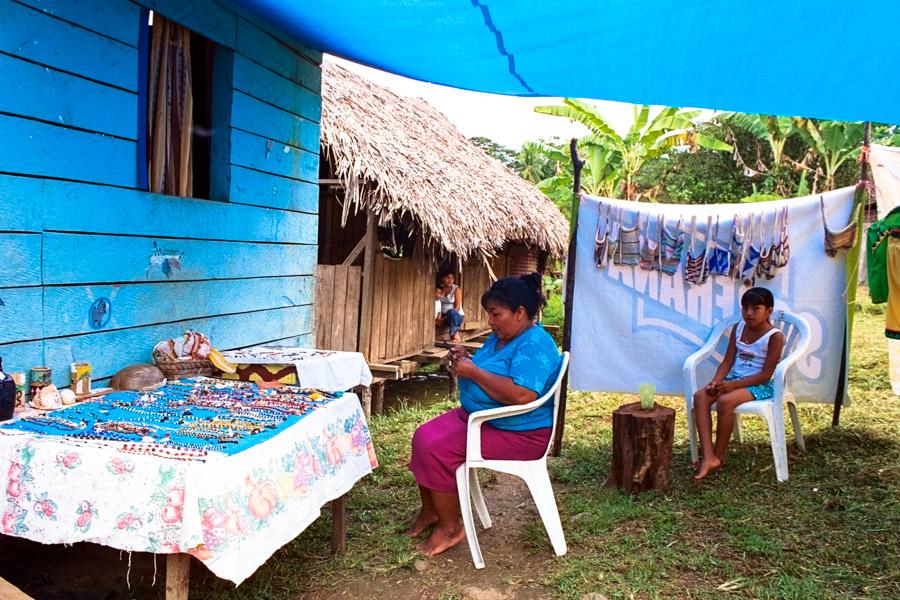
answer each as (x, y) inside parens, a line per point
(745, 374)
(750, 357)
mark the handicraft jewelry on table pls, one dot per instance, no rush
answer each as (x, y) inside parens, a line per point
(184, 420)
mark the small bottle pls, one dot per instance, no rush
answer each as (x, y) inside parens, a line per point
(7, 395)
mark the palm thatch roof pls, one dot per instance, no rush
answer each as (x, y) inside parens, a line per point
(399, 156)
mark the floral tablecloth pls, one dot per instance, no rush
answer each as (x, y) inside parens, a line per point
(322, 369)
(231, 512)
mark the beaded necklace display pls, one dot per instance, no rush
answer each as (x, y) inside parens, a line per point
(183, 420)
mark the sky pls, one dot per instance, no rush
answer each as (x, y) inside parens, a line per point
(507, 120)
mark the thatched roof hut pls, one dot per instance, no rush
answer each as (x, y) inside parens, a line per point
(418, 163)
(396, 168)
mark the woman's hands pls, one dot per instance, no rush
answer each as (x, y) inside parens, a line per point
(460, 362)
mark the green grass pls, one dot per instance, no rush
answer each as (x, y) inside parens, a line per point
(832, 531)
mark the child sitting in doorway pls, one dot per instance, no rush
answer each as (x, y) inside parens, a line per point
(449, 295)
(745, 374)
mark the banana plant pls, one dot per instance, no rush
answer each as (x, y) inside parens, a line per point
(613, 162)
(834, 142)
(775, 132)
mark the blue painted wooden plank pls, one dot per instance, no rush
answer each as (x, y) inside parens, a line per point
(21, 356)
(20, 254)
(257, 152)
(39, 37)
(68, 309)
(73, 259)
(36, 148)
(260, 82)
(206, 17)
(110, 351)
(78, 207)
(20, 203)
(273, 123)
(262, 48)
(264, 189)
(117, 20)
(299, 341)
(40, 92)
(273, 30)
(20, 314)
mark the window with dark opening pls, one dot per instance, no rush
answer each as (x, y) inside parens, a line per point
(179, 83)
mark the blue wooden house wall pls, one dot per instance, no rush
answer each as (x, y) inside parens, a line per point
(75, 226)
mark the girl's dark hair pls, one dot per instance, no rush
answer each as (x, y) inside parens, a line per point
(513, 292)
(758, 296)
(443, 272)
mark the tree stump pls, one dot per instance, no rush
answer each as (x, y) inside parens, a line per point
(642, 447)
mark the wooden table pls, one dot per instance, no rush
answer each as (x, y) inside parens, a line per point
(230, 512)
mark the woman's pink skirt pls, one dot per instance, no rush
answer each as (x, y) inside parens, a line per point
(439, 447)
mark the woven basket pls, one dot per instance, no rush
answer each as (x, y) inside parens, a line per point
(177, 369)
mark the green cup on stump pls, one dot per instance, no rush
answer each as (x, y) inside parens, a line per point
(646, 392)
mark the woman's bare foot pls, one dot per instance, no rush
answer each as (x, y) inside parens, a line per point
(707, 466)
(442, 539)
(456, 338)
(422, 522)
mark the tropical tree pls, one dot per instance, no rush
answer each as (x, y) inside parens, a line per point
(701, 177)
(834, 143)
(546, 164)
(537, 161)
(612, 161)
(775, 133)
(505, 155)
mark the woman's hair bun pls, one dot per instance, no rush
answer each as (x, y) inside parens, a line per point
(534, 280)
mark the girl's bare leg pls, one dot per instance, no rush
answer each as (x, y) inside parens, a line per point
(449, 530)
(703, 417)
(427, 514)
(725, 421)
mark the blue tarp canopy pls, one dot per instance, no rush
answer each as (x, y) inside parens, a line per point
(829, 59)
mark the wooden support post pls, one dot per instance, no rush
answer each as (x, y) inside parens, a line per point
(454, 383)
(365, 398)
(841, 384)
(642, 447)
(339, 525)
(368, 286)
(377, 397)
(577, 165)
(178, 572)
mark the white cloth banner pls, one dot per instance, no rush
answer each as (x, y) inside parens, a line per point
(630, 325)
(328, 370)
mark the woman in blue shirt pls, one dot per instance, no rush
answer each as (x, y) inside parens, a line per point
(517, 364)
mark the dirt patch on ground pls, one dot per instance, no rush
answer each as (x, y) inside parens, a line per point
(513, 565)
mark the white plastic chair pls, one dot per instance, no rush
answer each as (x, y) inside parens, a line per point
(797, 337)
(534, 472)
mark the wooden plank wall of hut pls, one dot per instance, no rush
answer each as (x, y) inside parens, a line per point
(474, 281)
(337, 307)
(85, 276)
(402, 319)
